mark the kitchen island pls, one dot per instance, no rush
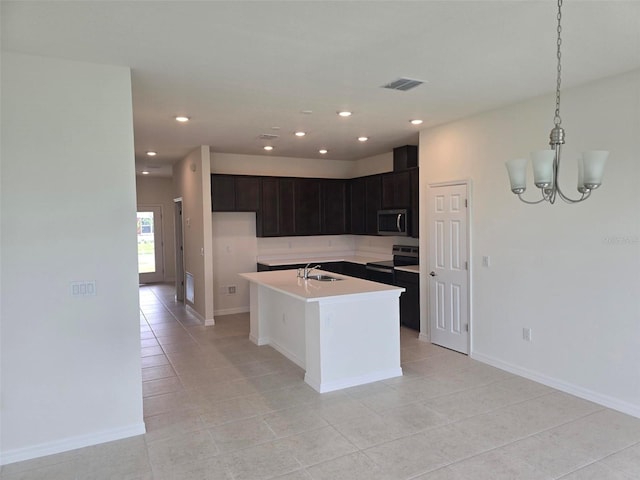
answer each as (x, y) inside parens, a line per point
(344, 332)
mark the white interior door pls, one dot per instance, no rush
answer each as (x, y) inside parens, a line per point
(448, 267)
(150, 258)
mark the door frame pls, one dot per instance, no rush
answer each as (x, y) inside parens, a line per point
(179, 247)
(158, 238)
(469, 192)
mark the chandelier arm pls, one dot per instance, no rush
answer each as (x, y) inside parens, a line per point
(529, 202)
(556, 183)
(571, 200)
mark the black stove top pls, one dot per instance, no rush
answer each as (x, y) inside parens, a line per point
(403, 255)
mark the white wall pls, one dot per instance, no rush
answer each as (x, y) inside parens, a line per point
(192, 182)
(571, 273)
(278, 166)
(236, 164)
(70, 365)
(372, 165)
(234, 251)
(154, 191)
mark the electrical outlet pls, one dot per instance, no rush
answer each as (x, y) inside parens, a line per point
(231, 289)
(486, 261)
(526, 334)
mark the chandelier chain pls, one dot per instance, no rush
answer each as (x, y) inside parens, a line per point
(556, 119)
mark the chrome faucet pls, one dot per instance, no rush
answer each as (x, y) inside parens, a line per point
(308, 270)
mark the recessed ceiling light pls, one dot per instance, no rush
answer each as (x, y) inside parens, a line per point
(300, 134)
(416, 122)
(322, 151)
(152, 154)
(268, 148)
(344, 113)
(145, 172)
(363, 139)
(182, 118)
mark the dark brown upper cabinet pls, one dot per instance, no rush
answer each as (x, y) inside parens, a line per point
(358, 198)
(248, 193)
(334, 206)
(307, 206)
(373, 203)
(223, 193)
(235, 193)
(276, 215)
(396, 190)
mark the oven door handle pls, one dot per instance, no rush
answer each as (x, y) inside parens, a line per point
(398, 222)
(379, 269)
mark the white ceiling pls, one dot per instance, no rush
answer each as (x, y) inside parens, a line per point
(240, 68)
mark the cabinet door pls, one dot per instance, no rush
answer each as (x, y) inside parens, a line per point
(410, 299)
(223, 193)
(372, 204)
(335, 267)
(354, 270)
(286, 195)
(268, 218)
(357, 206)
(334, 207)
(415, 203)
(396, 190)
(307, 206)
(248, 192)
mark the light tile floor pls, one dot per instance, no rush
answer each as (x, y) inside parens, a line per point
(218, 407)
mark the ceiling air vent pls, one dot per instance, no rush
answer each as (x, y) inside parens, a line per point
(268, 136)
(403, 84)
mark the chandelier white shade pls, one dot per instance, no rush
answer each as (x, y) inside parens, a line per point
(546, 163)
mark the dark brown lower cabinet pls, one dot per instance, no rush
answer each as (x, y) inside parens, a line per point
(410, 299)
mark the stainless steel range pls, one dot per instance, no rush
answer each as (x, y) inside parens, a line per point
(382, 271)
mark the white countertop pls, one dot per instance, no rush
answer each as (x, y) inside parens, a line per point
(362, 260)
(317, 259)
(286, 281)
(409, 268)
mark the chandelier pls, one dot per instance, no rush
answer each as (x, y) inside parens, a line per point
(546, 163)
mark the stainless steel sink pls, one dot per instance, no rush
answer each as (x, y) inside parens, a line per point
(323, 278)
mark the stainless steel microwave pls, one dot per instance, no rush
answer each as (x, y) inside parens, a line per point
(393, 222)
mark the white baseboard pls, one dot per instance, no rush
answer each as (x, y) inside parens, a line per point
(207, 322)
(596, 397)
(259, 341)
(70, 443)
(230, 311)
(287, 353)
(324, 387)
(424, 337)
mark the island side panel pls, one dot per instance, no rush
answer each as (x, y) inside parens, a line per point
(257, 334)
(353, 342)
(277, 319)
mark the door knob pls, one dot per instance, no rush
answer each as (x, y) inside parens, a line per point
(433, 274)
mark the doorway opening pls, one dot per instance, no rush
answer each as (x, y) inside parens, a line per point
(150, 254)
